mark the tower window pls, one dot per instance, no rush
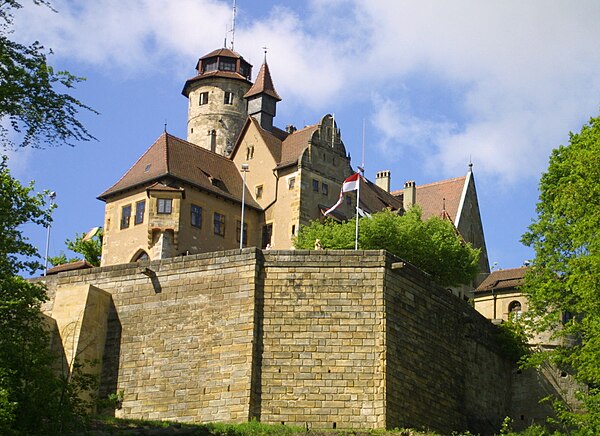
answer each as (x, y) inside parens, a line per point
(227, 65)
(196, 216)
(219, 224)
(325, 189)
(165, 205)
(125, 215)
(209, 65)
(228, 97)
(291, 182)
(259, 191)
(140, 208)
(203, 98)
(315, 185)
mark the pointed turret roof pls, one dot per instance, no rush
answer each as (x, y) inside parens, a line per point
(263, 84)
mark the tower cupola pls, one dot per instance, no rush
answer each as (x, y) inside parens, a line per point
(262, 98)
(216, 107)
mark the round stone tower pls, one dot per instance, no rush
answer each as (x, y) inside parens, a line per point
(217, 108)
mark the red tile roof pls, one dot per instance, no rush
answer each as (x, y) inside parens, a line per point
(373, 198)
(503, 279)
(294, 145)
(263, 84)
(223, 51)
(171, 157)
(71, 266)
(434, 196)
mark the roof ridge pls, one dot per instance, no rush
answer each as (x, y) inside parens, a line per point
(439, 182)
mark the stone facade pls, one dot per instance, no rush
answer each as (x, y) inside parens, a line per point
(329, 339)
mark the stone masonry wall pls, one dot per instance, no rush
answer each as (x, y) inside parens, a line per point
(443, 369)
(332, 339)
(323, 339)
(180, 341)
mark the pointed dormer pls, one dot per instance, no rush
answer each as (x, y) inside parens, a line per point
(262, 98)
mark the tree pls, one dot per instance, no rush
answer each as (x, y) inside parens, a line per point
(90, 249)
(564, 282)
(432, 245)
(33, 398)
(29, 99)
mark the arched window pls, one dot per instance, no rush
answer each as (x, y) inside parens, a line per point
(515, 310)
(141, 255)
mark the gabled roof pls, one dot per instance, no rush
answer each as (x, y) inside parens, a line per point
(438, 196)
(503, 279)
(263, 84)
(294, 145)
(173, 158)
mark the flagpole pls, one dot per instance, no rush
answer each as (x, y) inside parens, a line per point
(357, 214)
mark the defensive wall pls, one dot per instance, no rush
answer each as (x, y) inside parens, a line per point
(331, 339)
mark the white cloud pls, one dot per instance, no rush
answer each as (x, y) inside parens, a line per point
(526, 72)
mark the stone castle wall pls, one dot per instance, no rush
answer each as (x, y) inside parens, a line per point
(332, 339)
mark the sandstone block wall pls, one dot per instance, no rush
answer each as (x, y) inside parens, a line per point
(332, 339)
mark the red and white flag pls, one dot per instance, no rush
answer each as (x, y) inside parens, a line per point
(350, 184)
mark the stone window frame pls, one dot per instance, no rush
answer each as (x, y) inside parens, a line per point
(140, 211)
(228, 98)
(258, 191)
(164, 206)
(219, 224)
(238, 227)
(125, 216)
(196, 216)
(203, 98)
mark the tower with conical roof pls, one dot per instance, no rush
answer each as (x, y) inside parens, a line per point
(217, 108)
(262, 98)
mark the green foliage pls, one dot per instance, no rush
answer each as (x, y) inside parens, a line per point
(513, 340)
(565, 277)
(432, 245)
(29, 99)
(91, 249)
(33, 399)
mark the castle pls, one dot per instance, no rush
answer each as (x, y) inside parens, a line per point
(184, 197)
(192, 328)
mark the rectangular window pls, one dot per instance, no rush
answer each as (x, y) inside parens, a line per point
(348, 200)
(259, 191)
(165, 205)
(315, 185)
(291, 182)
(325, 189)
(196, 216)
(203, 98)
(125, 215)
(239, 230)
(228, 98)
(140, 208)
(227, 65)
(219, 223)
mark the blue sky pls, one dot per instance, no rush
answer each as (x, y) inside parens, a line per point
(437, 83)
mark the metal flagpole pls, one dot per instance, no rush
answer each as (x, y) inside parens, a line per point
(357, 214)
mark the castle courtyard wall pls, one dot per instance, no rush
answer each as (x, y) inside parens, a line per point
(329, 339)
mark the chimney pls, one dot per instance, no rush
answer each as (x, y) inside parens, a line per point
(382, 179)
(410, 194)
(212, 140)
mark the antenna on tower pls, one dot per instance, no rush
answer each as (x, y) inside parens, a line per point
(233, 23)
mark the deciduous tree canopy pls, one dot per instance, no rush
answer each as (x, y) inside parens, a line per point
(432, 245)
(31, 103)
(565, 278)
